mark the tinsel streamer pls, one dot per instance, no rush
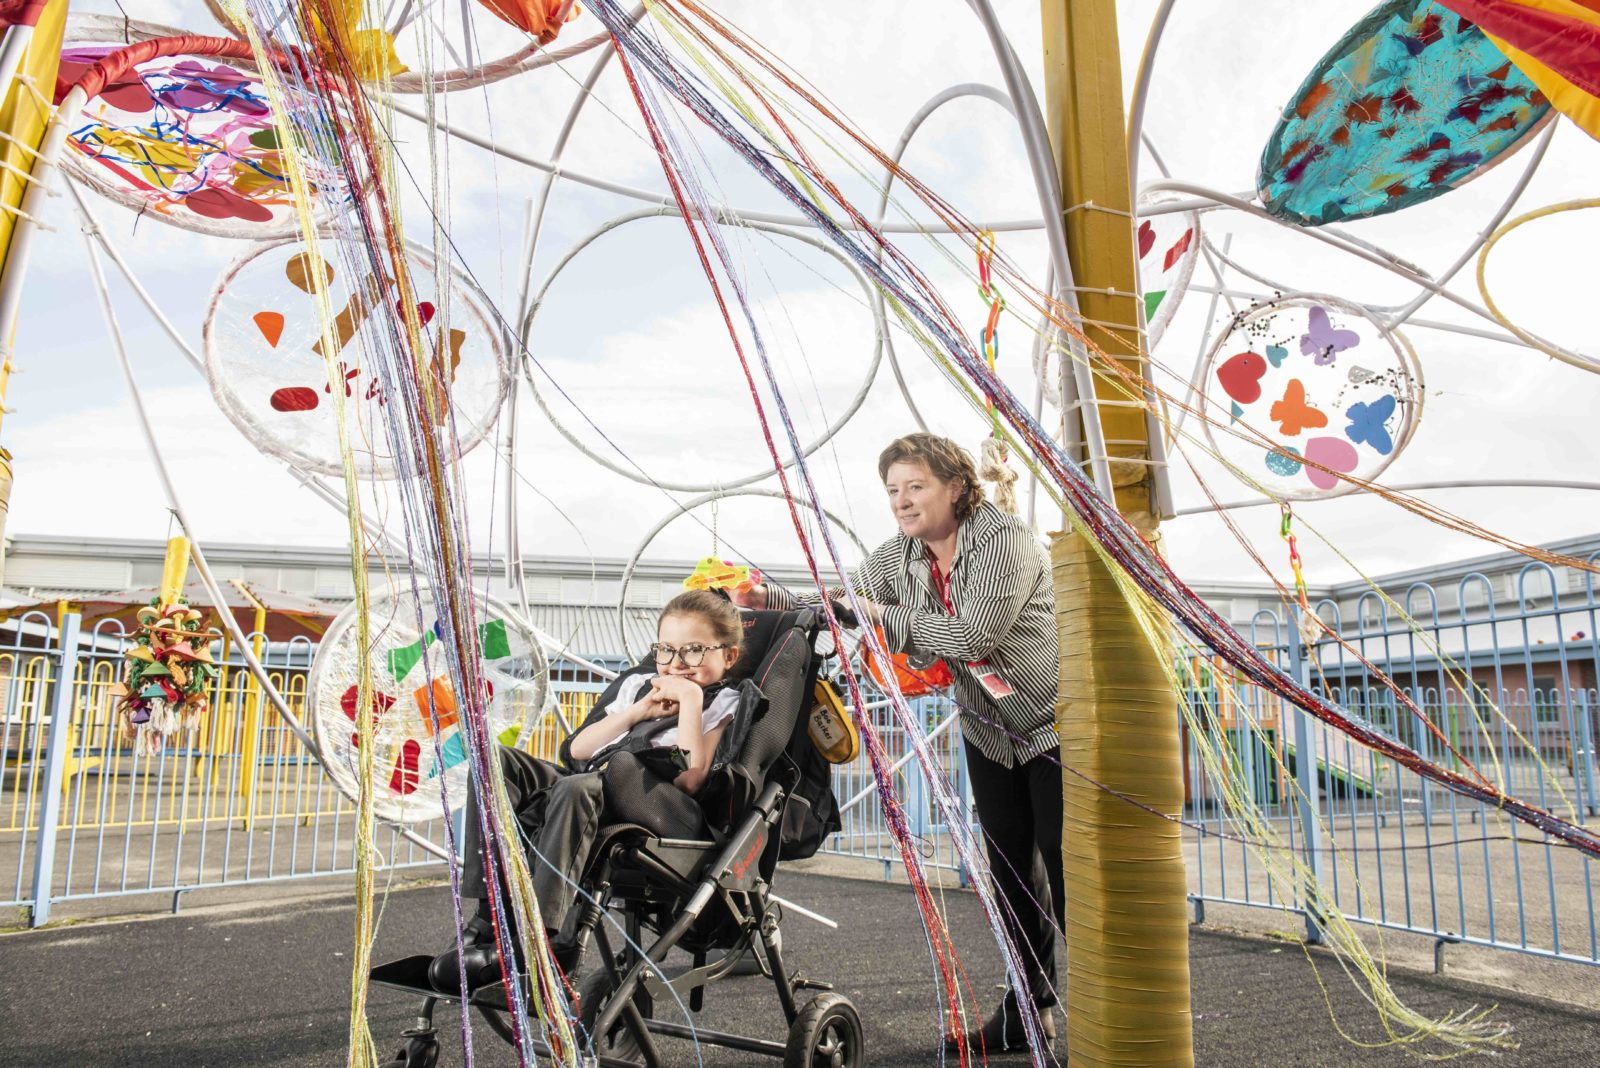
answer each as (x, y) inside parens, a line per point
(967, 845)
(332, 115)
(1114, 539)
(361, 1049)
(910, 292)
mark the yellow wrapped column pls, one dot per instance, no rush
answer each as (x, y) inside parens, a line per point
(1127, 929)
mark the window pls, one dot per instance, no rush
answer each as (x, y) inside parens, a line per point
(298, 580)
(146, 573)
(1547, 699)
(263, 578)
(334, 582)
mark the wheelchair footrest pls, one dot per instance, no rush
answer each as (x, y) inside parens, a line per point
(407, 973)
(492, 996)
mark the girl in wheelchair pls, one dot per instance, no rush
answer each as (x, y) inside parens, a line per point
(640, 757)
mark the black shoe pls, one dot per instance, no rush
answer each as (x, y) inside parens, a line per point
(1004, 1032)
(568, 955)
(477, 950)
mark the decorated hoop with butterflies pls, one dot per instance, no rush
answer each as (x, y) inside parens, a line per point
(416, 712)
(1304, 389)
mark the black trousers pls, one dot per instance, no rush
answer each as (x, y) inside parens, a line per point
(559, 815)
(1019, 811)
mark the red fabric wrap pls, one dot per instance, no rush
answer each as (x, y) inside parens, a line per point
(120, 62)
(21, 12)
(1568, 46)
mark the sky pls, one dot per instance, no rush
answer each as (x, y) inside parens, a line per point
(634, 362)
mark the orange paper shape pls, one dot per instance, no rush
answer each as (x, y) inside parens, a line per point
(270, 323)
(444, 704)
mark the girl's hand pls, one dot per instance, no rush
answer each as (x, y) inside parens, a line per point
(677, 690)
(653, 705)
(755, 597)
(691, 781)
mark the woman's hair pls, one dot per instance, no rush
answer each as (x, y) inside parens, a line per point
(715, 609)
(948, 461)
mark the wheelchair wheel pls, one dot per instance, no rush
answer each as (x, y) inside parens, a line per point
(594, 993)
(826, 1034)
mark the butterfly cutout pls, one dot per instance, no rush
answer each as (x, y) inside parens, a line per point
(1276, 354)
(1369, 423)
(1322, 341)
(1293, 414)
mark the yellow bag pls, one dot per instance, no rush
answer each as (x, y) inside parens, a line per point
(832, 730)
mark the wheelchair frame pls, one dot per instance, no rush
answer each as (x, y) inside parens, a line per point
(824, 1032)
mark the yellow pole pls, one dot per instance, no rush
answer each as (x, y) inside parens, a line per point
(1127, 934)
(23, 118)
(249, 772)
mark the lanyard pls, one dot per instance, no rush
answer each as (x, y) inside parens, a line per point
(941, 585)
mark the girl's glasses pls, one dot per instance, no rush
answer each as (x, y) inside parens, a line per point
(691, 655)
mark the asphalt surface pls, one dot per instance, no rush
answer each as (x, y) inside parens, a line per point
(269, 984)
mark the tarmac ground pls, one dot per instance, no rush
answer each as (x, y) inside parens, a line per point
(267, 982)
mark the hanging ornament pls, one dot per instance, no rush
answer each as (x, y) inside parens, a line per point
(714, 574)
(167, 674)
(993, 465)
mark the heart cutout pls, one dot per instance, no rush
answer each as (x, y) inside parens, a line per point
(1336, 454)
(1147, 238)
(1285, 465)
(302, 268)
(1240, 376)
(425, 311)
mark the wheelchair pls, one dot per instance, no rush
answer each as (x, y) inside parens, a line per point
(710, 897)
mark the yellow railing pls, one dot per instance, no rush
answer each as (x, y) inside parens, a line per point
(239, 762)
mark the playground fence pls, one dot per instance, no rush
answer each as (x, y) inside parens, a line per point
(241, 800)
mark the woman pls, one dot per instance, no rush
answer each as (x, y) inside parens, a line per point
(968, 583)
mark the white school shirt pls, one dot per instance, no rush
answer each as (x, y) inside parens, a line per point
(719, 710)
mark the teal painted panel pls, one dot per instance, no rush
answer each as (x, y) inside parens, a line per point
(1411, 103)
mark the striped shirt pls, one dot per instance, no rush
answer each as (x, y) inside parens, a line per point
(999, 587)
